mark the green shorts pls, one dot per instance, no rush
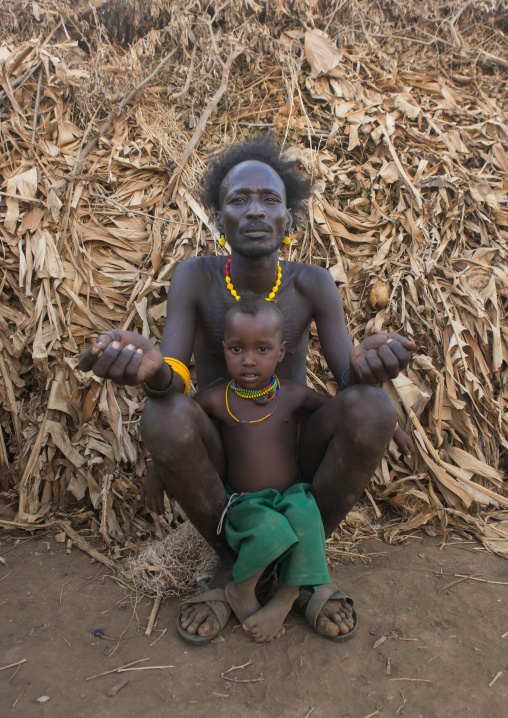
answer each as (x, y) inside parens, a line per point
(282, 531)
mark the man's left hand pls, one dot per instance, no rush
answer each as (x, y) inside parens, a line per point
(380, 357)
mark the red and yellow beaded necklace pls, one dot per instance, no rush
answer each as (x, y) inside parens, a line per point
(229, 284)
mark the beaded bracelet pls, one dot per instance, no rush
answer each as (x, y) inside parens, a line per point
(155, 393)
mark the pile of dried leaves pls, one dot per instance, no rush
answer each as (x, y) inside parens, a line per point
(108, 111)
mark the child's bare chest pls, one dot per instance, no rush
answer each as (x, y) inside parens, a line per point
(247, 422)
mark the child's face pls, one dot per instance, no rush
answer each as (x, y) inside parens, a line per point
(253, 346)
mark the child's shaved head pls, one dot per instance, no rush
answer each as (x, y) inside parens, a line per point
(255, 306)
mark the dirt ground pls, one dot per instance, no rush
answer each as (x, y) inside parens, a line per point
(429, 645)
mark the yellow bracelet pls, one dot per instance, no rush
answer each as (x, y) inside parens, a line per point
(181, 370)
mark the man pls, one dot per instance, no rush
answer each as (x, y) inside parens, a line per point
(253, 190)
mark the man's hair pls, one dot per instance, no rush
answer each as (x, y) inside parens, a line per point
(262, 148)
(255, 306)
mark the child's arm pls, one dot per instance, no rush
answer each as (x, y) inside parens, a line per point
(211, 400)
(312, 400)
(403, 441)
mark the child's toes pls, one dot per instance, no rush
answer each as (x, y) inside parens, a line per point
(264, 638)
(249, 624)
(254, 631)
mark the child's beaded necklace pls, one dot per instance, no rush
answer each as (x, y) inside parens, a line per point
(259, 396)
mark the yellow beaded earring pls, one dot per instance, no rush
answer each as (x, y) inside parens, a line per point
(287, 240)
(222, 242)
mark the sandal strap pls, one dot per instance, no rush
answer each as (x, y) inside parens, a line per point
(214, 594)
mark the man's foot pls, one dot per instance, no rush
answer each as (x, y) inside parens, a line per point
(244, 603)
(266, 624)
(198, 618)
(335, 618)
(329, 611)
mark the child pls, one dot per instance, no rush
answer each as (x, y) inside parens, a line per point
(271, 519)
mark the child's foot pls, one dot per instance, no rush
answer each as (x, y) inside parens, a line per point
(266, 624)
(243, 602)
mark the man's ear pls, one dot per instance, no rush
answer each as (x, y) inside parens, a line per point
(282, 352)
(289, 220)
(218, 221)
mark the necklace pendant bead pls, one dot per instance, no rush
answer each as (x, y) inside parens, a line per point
(261, 400)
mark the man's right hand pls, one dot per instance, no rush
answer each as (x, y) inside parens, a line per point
(123, 357)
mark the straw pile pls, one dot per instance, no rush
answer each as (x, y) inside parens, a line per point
(108, 111)
(175, 565)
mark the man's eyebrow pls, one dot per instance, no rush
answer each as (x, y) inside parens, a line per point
(264, 190)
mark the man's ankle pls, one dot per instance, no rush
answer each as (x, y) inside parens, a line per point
(222, 575)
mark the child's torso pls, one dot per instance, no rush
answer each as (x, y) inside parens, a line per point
(264, 454)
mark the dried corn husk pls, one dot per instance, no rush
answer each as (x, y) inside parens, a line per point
(407, 142)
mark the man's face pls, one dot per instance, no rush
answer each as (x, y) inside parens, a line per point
(253, 346)
(253, 215)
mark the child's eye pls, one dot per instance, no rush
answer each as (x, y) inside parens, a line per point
(263, 350)
(235, 350)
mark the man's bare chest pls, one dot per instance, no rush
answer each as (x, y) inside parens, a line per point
(215, 303)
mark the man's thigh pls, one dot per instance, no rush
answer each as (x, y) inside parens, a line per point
(357, 420)
(174, 424)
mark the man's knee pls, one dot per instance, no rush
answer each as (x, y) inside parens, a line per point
(169, 426)
(368, 416)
